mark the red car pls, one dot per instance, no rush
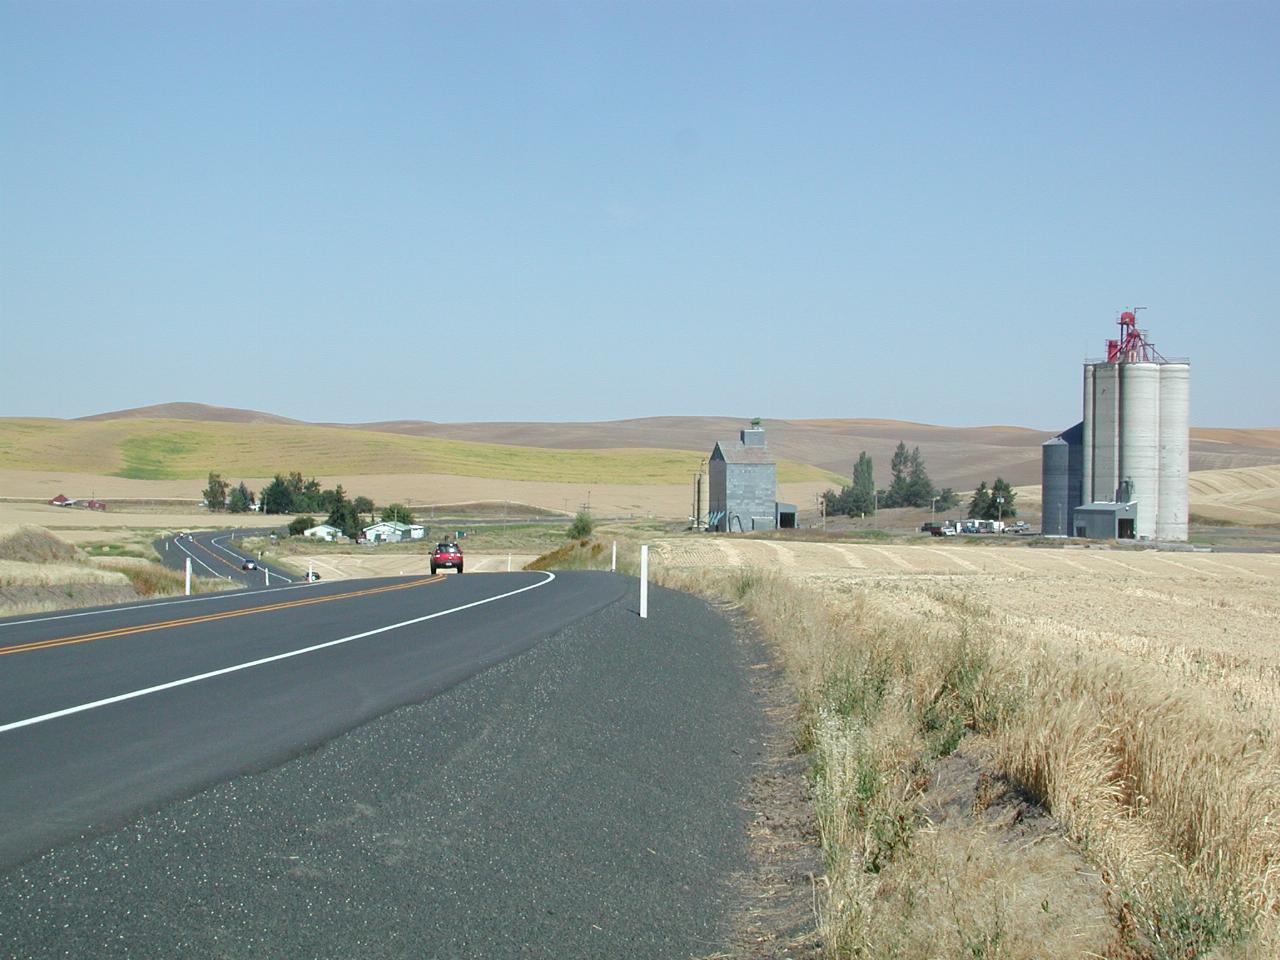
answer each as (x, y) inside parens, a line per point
(446, 555)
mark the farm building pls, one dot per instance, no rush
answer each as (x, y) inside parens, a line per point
(1121, 473)
(322, 531)
(392, 531)
(743, 486)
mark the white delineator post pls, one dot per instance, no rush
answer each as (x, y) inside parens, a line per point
(188, 576)
(267, 573)
(613, 564)
(508, 563)
(644, 582)
(309, 571)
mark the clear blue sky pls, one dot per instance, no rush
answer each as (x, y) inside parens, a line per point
(580, 211)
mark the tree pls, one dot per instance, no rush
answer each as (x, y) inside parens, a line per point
(277, 497)
(862, 495)
(582, 526)
(899, 493)
(980, 503)
(240, 499)
(345, 517)
(947, 499)
(300, 524)
(997, 510)
(364, 505)
(397, 513)
(920, 489)
(859, 497)
(215, 495)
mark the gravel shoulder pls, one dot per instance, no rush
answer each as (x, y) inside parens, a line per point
(584, 799)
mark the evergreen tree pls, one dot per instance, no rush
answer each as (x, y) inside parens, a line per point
(346, 518)
(898, 494)
(920, 490)
(947, 499)
(980, 503)
(240, 499)
(862, 495)
(1004, 510)
(277, 498)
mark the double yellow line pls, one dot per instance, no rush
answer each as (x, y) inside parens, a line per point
(209, 618)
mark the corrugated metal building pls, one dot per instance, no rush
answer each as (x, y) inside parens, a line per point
(743, 481)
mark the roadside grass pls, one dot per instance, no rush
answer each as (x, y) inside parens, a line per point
(170, 450)
(1176, 805)
(39, 571)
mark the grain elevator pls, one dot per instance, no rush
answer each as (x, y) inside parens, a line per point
(1121, 473)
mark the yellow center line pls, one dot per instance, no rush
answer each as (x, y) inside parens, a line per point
(208, 618)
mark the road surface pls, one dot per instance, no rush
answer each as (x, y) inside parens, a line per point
(507, 765)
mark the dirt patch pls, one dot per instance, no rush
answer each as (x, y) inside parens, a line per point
(776, 916)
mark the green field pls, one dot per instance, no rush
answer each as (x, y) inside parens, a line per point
(188, 450)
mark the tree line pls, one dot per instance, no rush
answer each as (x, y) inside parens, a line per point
(909, 486)
(289, 493)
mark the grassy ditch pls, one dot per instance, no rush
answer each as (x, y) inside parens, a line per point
(1172, 807)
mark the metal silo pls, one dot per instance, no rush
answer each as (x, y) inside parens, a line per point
(1106, 433)
(1175, 407)
(1055, 520)
(1086, 426)
(1140, 441)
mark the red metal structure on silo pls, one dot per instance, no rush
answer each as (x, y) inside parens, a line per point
(1133, 345)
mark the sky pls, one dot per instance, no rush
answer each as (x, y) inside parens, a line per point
(590, 211)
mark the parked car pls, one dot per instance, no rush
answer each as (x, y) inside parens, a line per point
(446, 555)
(248, 565)
(310, 576)
(933, 528)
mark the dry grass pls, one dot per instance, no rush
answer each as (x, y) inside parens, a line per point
(1134, 694)
(16, 573)
(39, 571)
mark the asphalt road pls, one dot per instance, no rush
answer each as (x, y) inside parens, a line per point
(214, 553)
(559, 779)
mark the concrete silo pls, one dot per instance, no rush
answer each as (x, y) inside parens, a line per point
(1133, 445)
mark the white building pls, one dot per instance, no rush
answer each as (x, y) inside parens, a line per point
(392, 531)
(323, 531)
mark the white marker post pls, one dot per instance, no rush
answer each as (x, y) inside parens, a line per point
(188, 576)
(508, 563)
(613, 564)
(268, 574)
(644, 582)
(310, 572)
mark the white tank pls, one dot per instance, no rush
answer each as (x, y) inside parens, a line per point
(1175, 409)
(1106, 433)
(1140, 441)
(1086, 487)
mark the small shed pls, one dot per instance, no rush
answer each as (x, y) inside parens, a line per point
(1106, 521)
(743, 482)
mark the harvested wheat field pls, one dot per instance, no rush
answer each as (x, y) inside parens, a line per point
(1134, 694)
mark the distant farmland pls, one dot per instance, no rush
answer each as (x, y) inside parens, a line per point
(188, 450)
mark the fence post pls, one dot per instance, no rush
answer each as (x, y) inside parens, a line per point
(644, 582)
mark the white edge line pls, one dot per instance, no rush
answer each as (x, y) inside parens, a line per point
(178, 541)
(228, 550)
(31, 721)
(168, 602)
